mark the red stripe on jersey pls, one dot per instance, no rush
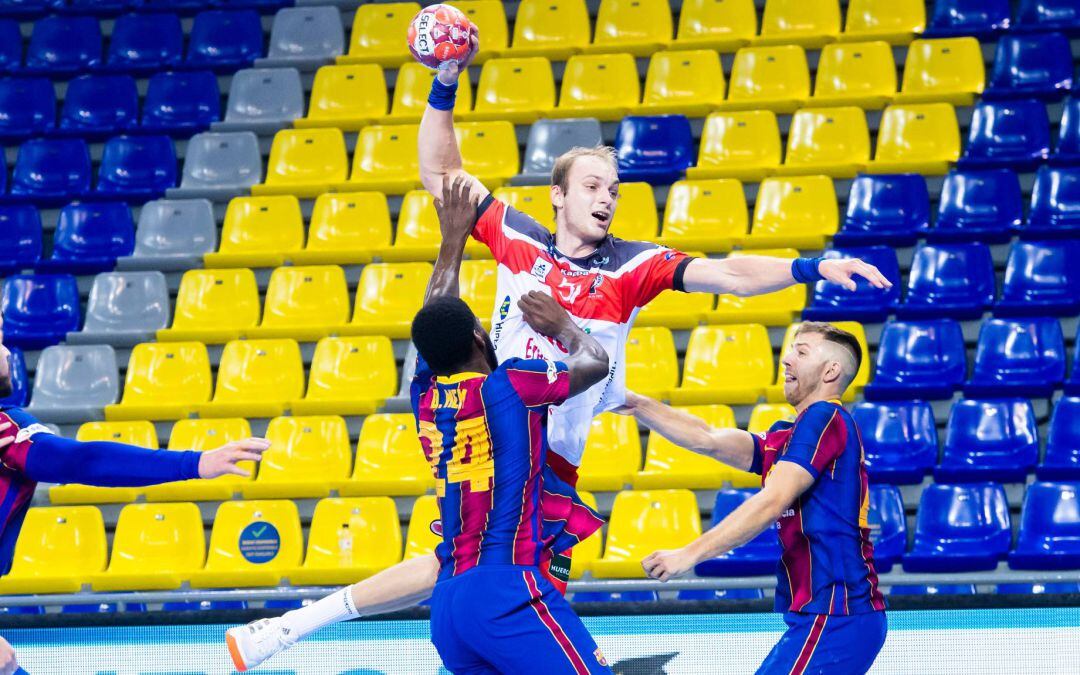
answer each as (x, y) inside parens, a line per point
(810, 645)
(536, 600)
(524, 547)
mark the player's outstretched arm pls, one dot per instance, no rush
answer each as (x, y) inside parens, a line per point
(587, 361)
(457, 213)
(754, 274)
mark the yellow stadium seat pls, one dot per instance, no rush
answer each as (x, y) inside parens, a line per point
(489, 151)
(635, 217)
(724, 25)
(520, 90)
(612, 453)
(768, 78)
(726, 364)
(687, 82)
(418, 234)
(949, 70)
(652, 367)
(775, 392)
(307, 457)
(156, 547)
(705, 215)
(385, 160)
(830, 141)
(778, 308)
(58, 550)
(349, 540)
(589, 550)
(478, 281)
(256, 378)
(411, 94)
(489, 17)
(214, 306)
(764, 415)
(918, 138)
(164, 381)
(638, 27)
(743, 145)
(604, 86)
(203, 435)
(349, 376)
(669, 466)
(346, 97)
(136, 432)
(305, 163)
(388, 296)
(389, 460)
(810, 24)
(643, 522)
(378, 34)
(676, 310)
(895, 21)
(259, 232)
(422, 536)
(799, 212)
(346, 228)
(253, 543)
(305, 303)
(552, 28)
(858, 73)
(532, 200)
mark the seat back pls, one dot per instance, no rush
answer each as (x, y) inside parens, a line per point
(425, 525)
(176, 227)
(697, 207)
(952, 279)
(1050, 519)
(1047, 15)
(887, 523)
(479, 282)
(979, 204)
(651, 361)
(1008, 133)
(914, 353)
(960, 518)
(28, 107)
(999, 433)
(765, 415)
(742, 140)
(897, 437)
(649, 520)
(926, 132)
(352, 532)
(1038, 64)
(348, 93)
(60, 541)
(411, 92)
(377, 32)
(689, 78)
(352, 368)
(834, 301)
(99, 104)
(630, 24)
(885, 18)
(391, 291)
(178, 102)
(158, 538)
(791, 21)
(488, 149)
(888, 209)
(605, 81)
(225, 39)
(489, 17)
(90, 236)
(389, 447)
(970, 17)
(386, 152)
(307, 33)
(613, 449)
(728, 356)
(20, 237)
(946, 69)
(656, 149)
(306, 449)
(54, 168)
(145, 41)
(557, 24)
(312, 156)
(1055, 199)
(730, 24)
(222, 160)
(217, 299)
(315, 295)
(40, 309)
(863, 73)
(177, 372)
(828, 137)
(124, 302)
(349, 221)
(256, 521)
(514, 85)
(64, 44)
(266, 95)
(727, 500)
(137, 165)
(1020, 352)
(141, 433)
(262, 225)
(260, 371)
(770, 74)
(548, 139)
(20, 387)
(797, 205)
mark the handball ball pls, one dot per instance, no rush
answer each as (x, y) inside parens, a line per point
(440, 33)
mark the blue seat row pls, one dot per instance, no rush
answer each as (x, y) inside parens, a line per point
(988, 18)
(31, 9)
(1035, 64)
(89, 237)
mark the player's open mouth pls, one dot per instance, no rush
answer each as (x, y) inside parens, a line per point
(601, 216)
(788, 377)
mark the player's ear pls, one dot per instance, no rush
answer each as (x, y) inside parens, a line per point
(833, 372)
(558, 199)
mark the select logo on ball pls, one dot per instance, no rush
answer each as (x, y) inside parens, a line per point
(440, 33)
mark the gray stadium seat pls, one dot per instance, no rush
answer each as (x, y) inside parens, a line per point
(263, 100)
(74, 383)
(550, 138)
(306, 37)
(173, 234)
(220, 165)
(125, 308)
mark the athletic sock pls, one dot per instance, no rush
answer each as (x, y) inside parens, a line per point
(336, 607)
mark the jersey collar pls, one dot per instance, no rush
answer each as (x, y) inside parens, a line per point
(456, 378)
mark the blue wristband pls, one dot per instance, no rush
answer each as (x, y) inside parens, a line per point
(442, 96)
(805, 270)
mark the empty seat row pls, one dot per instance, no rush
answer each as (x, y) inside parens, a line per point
(989, 18)
(32, 9)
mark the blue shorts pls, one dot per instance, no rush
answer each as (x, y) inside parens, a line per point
(823, 643)
(509, 619)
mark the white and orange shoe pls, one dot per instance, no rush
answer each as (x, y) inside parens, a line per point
(252, 644)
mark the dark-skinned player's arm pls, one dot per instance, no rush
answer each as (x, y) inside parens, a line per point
(587, 360)
(457, 213)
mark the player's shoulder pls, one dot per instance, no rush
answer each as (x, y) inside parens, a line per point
(517, 364)
(28, 424)
(514, 220)
(821, 414)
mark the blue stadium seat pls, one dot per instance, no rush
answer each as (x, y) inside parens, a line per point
(205, 605)
(1048, 15)
(656, 149)
(102, 8)
(953, 280)
(888, 526)
(1067, 149)
(625, 596)
(981, 18)
(11, 46)
(51, 170)
(1072, 385)
(23, 609)
(283, 605)
(918, 359)
(102, 608)
(1036, 64)
(833, 302)
(225, 40)
(64, 45)
(1007, 134)
(89, 237)
(145, 43)
(20, 238)
(1038, 589)
(1049, 528)
(939, 589)
(99, 106)
(29, 9)
(1055, 203)
(39, 309)
(960, 528)
(182, 7)
(183, 103)
(981, 206)
(721, 594)
(1062, 459)
(886, 209)
(27, 108)
(1018, 357)
(1040, 280)
(20, 387)
(989, 440)
(899, 439)
(137, 167)
(757, 556)
(264, 6)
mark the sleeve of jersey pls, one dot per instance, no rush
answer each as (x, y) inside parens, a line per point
(538, 382)
(758, 462)
(489, 227)
(54, 459)
(421, 382)
(818, 439)
(663, 271)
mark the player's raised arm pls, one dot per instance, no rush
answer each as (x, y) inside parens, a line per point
(755, 274)
(457, 213)
(587, 361)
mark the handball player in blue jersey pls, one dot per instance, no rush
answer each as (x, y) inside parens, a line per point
(815, 490)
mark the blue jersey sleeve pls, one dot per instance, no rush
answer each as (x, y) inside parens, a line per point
(422, 380)
(759, 453)
(818, 439)
(538, 383)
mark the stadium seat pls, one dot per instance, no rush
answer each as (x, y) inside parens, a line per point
(921, 138)
(638, 27)
(256, 378)
(489, 151)
(668, 465)
(684, 82)
(637, 218)
(305, 162)
(769, 78)
(704, 215)
(124, 309)
(39, 309)
(253, 543)
(519, 90)
(489, 17)
(145, 43)
(20, 387)
(1054, 200)
(225, 40)
(378, 34)
(74, 383)
(894, 22)
(164, 381)
(612, 453)
(137, 167)
(20, 238)
(200, 436)
(1047, 15)
(1062, 459)
(1049, 529)
(155, 547)
(765, 415)
(642, 522)
(888, 526)
(266, 98)
(1067, 146)
(1007, 134)
(833, 302)
(89, 237)
(960, 528)
(982, 18)
(799, 212)
(418, 235)
(389, 459)
(1040, 280)
(556, 29)
(532, 200)
(181, 103)
(346, 97)
(214, 306)
(1018, 357)
(1072, 385)
(886, 209)
(304, 302)
(989, 440)
(349, 376)
(744, 145)
(58, 550)
(140, 433)
(221, 164)
(1031, 65)
(550, 138)
(386, 159)
(1037, 589)
(388, 297)
(174, 233)
(97, 106)
(794, 22)
(950, 280)
(617, 596)
(676, 310)
(308, 456)
(63, 45)
(918, 359)
(425, 528)
(349, 540)
(978, 206)
(51, 171)
(181, 7)
(311, 35)
(830, 141)
(938, 589)
(723, 26)
(604, 86)
(259, 232)
(478, 286)
(774, 393)
(652, 367)
(411, 93)
(721, 594)
(759, 556)
(725, 364)
(949, 70)
(859, 73)
(27, 107)
(11, 46)
(655, 149)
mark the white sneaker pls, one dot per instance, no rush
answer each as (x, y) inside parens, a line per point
(252, 644)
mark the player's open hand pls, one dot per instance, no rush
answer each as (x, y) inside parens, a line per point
(544, 314)
(4, 442)
(456, 209)
(450, 70)
(8, 664)
(844, 270)
(223, 460)
(664, 565)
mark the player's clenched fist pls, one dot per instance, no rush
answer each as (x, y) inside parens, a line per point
(543, 314)
(664, 565)
(8, 664)
(223, 460)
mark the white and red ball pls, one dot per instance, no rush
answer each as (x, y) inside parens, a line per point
(440, 33)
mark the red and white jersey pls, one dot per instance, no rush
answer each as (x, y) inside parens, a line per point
(602, 292)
